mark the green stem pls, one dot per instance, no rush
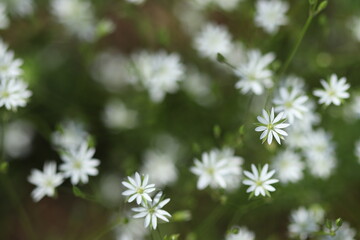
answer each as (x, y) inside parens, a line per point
(297, 45)
(159, 232)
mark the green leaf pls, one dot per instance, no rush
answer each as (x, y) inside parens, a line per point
(328, 224)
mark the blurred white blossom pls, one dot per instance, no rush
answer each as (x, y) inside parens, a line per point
(117, 116)
(9, 65)
(345, 232)
(70, 134)
(4, 20)
(18, 138)
(14, 93)
(240, 233)
(271, 14)
(21, 8)
(288, 166)
(133, 229)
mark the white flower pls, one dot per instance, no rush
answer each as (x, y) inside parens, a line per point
(18, 138)
(345, 232)
(151, 211)
(272, 126)
(4, 20)
(304, 222)
(240, 233)
(79, 163)
(260, 180)
(291, 102)
(227, 5)
(159, 72)
(117, 116)
(288, 166)
(271, 14)
(111, 69)
(138, 188)
(131, 230)
(76, 16)
(9, 66)
(14, 93)
(218, 169)
(211, 40)
(334, 91)
(254, 73)
(69, 135)
(160, 167)
(45, 181)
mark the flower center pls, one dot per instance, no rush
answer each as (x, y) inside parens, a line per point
(140, 190)
(258, 183)
(77, 164)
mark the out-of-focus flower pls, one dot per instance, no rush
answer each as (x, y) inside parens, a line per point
(260, 180)
(291, 102)
(18, 138)
(78, 164)
(335, 90)
(77, 17)
(227, 5)
(354, 26)
(138, 188)
(345, 232)
(357, 150)
(117, 116)
(69, 135)
(137, 2)
(254, 73)
(19, 7)
(45, 181)
(9, 66)
(304, 222)
(4, 20)
(133, 229)
(159, 72)
(218, 169)
(211, 40)
(271, 14)
(14, 93)
(240, 233)
(112, 70)
(272, 126)
(152, 211)
(320, 153)
(288, 166)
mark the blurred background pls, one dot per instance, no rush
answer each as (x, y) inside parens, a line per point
(77, 66)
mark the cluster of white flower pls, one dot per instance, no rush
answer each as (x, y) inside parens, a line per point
(218, 169)
(270, 15)
(78, 162)
(240, 233)
(149, 208)
(14, 91)
(306, 223)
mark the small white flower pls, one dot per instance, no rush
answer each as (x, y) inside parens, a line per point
(69, 135)
(271, 14)
(213, 39)
(288, 166)
(45, 181)
(138, 188)
(291, 102)
(151, 211)
(77, 17)
(117, 116)
(18, 138)
(334, 91)
(79, 163)
(160, 72)
(304, 222)
(227, 5)
(254, 73)
(137, 2)
(260, 180)
(272, 126)
(131, 230)
(9, 66)
(240, 233)
(218, 169)
(354, 26)
(14, 93)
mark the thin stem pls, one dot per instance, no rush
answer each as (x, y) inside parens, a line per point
(159, 232)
